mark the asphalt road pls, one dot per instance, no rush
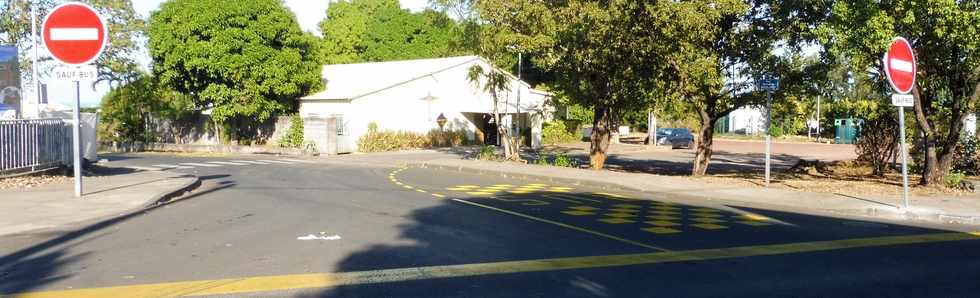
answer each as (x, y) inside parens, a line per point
(410, 232)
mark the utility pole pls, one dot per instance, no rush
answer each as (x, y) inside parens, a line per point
(519, 83)
(35, 79)
(818, 118)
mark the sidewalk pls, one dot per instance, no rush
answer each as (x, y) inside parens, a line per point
(54, 206)
(961, 210)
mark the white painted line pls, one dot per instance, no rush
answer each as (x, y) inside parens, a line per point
(168, 167)
(251, 162)
(138, 168)
(295, 160)
(276, 161)
(206, 165)
(74, 34)
(228, 163)
(901, 65)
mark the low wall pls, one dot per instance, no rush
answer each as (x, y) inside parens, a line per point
(118, 147)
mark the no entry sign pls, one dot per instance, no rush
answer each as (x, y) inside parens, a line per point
(74, 33)
(900, 65)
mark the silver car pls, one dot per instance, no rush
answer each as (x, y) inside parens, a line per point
(675, 137)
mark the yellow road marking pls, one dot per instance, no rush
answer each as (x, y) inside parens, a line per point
(421, 190)
(438, 195)
(329, 280)
(584, 230)
(408, 186)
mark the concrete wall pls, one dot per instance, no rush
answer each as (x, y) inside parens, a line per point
(200, 130)
(322, 132)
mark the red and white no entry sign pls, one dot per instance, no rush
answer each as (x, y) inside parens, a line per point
(900, 65)
(74, 33)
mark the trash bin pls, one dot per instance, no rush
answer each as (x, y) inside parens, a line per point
(847, 130)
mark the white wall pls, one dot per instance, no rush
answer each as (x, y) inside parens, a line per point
(751, 119)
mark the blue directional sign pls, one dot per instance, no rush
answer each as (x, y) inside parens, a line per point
(768, 85)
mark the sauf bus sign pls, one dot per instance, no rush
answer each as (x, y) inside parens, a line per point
(75, 34)
(900, 67)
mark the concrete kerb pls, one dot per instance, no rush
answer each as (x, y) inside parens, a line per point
(165, 198)
(868, 213)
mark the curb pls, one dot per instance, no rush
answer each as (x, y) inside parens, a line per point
(870, 212)
(165, 198)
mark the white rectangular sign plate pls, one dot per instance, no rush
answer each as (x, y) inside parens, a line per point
(75, 73)
(903, 100)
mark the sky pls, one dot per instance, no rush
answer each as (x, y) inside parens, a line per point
(308, 13)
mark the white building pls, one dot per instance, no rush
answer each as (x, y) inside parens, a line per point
(747, 120)
(410, 95)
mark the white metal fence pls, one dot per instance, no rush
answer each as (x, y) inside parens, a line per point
(33, 145)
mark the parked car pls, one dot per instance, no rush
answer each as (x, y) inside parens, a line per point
(675, 137)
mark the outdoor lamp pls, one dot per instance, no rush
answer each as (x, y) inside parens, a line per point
(441, 120)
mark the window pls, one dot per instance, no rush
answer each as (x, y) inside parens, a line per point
(341, 124)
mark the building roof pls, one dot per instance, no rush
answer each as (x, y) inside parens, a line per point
(352, 81)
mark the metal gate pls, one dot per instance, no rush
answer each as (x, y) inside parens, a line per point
(34, 145)
(345, 143)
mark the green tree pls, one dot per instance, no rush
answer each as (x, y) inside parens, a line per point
(379, 30)
(494, 81)
(600, 52)
(126, 108)
(946, 38)
(246, 60)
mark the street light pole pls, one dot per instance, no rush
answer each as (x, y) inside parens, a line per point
(519, 83)
(36, 84)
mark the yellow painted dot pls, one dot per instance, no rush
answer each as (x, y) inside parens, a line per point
(705, 210)
(755, 217)
(707, 220)
(616, 221)
(584, 208)
(707, 215)
(620, 215)
(477, 193)
(467, 186)
(503, 185)
(519, 192)
(664, 217)
(754, 223)
(709, 226)
(438, 195)
(420, 190)
(578, 213)
(458, 189)
(662, 230)
(663, 223)
(624, 210)
(408, 186)
(629, 206)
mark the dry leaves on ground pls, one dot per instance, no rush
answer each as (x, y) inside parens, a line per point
(31, 181)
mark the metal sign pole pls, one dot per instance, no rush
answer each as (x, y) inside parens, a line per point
(905, 168)
(768, 133)
(76, 142)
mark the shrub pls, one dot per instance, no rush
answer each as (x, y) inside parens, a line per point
(542, 161)
(487, 153)
(388, 140)
(966, 161)
(953, 179)
(876, 144)
(562, 160)
(446, 138)
(555, 132)
(294, 137)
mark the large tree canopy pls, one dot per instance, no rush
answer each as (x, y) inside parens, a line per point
(946, 38)
(379, 30)
(246, 60)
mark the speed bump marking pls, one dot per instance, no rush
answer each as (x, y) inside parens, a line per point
(707, 220)
(662, 230)
(709, 226)
(663, 223)
(620, 215)
(578, 213)
(616, 221)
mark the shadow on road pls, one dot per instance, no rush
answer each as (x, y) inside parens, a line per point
(454, 233)
(43, 263)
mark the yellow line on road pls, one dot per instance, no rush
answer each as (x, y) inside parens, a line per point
(328, 280)
(584, 230)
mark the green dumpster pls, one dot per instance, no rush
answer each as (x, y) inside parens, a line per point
(848, 130)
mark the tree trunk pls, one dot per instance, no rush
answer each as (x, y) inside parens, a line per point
(931, 172)
(600, 138)
(702, 155)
